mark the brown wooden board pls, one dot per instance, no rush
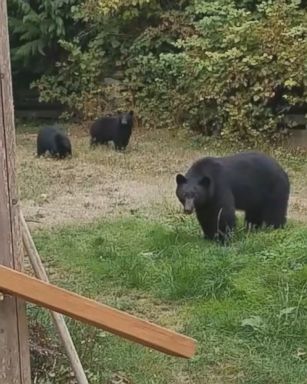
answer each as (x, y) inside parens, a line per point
(99, 315)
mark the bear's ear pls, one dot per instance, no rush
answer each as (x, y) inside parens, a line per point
(205, 182)
(180, 179)
(131, 113)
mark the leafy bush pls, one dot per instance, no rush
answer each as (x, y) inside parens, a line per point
(35, 28)
(220, 67)
(77, 83)
(99, 50)
(226, 75)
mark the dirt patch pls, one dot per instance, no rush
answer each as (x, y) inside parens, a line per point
(127, 197)
(98, 183)
(95, 183)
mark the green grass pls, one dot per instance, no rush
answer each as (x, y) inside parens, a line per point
(246, 304)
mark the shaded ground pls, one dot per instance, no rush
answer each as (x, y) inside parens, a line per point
(99, 183)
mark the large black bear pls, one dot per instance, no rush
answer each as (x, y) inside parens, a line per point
(250, 181)
(112, 128)
(53, 140)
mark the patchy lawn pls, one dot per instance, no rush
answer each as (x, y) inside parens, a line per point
(245, 304)
(108, 226)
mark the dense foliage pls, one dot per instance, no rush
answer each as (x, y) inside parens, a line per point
(219, 66)
(229, 72)
(35, 27)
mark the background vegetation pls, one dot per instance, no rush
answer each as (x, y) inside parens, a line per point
(230, 67)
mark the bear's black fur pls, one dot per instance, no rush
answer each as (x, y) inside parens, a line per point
(112, 128)
(250, 181)
(53, 140)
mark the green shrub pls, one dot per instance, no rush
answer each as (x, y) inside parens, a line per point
(79, 84)
(225, 75)
(218, 67)
(97, 52)
(35, 28)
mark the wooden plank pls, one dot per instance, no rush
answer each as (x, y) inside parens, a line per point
(99, 315)
(58, 319)
(14, 351)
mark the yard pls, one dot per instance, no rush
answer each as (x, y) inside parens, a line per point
(108, 226)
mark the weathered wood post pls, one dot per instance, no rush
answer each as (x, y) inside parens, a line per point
(14, 349)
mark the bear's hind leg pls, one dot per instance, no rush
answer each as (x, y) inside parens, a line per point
(274, 214)
(253, 219)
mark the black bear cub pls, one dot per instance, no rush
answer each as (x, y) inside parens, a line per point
(113, 128)
(53, 140)
(250, 181)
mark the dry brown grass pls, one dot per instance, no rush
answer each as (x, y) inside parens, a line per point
(100, 182)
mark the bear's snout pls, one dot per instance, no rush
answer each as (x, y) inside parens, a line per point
(188, 206)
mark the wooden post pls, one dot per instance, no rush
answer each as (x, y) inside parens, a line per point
(14, 349)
